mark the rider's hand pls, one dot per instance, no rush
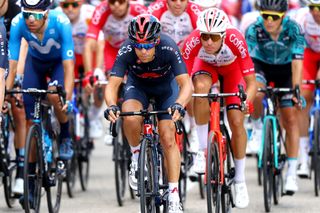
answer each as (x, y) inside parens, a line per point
(299, 104)
(249, 107)
(112, 113)
(177, 111)
(67, 107)
(86, 82)
(100, 74)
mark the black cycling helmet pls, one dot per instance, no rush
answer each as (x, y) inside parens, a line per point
(144, 28)
(273, 5)
(36, 4)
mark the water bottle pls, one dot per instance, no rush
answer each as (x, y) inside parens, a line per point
(48, 146)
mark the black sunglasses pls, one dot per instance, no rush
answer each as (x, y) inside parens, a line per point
(67, 4)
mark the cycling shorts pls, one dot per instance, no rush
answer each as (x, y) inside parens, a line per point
(232, 77)
(36, 73)
(165, 94)
(110, 55)
(311, 65)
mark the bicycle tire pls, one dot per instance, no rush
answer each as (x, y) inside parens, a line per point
(213, 185)
(72, 165)
(34, 140)
(267, 165)
(7, 187)
(54, 179)
(120, 164)
(84, 168)
(278, 178)
(316, 153)
(259, 171)
(184, 167)
(145, 179)
(201, 186)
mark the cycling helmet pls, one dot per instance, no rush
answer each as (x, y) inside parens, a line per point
(314, 2)
(212, 20)
(36, 4)
(144, 28)
(207, 3)
(274, 5)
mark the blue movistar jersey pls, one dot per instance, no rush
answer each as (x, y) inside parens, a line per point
(290, 44)
(57, 40)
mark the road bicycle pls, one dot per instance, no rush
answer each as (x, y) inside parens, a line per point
(272, 157)
(314, 137)
(49, 169)
(220, 170)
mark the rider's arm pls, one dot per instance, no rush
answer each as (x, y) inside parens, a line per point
(296, 66)
(185, 92)
(13, 64)
(3, 62)
(68, 67)
(22, 56)
(111, 92)
(251, 86)
(89, 48)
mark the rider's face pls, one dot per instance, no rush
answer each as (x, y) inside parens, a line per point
(315, 12)
(119, 8)
(177, 7)
(144, 55)
(3, 7)
(211, 44)
(35, 19)
(72, 9)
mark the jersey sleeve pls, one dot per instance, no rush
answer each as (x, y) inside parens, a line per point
(137, 9)
(193, 10)
(157, 8)
(298, 41)
(98, 19)
(238, 45)
(3, 47)
(120, 66)
(67, 46)
(15, 37)
(191, 49)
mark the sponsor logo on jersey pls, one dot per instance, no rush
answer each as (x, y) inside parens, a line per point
(97, 15)
(124, 50)
(195, 9)
(47, 48)
(239, 44)
(189, 46)
(155, 6)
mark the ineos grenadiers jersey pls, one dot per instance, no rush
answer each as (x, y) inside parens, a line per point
(13, 9)
(233, 48)
(57, 43)
(289, 46)
(166, 64)
(3, 47)
(177, 27)
(115, 31)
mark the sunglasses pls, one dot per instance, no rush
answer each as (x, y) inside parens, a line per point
(66, 5)
(114, 1)
(146, 46)
(177, 0)
(35, 15)
(213, 37)
(273, 16)
(315, 7)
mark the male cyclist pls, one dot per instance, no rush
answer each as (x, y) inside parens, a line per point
(310, 23)
(216, 48)
(112, 18)
(155, 70)
(276, 44)
(3, 62)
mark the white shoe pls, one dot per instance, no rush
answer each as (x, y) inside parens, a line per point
(200, 163)
(108, 139)
(255, 142)
(291, 184)
(18, 186)
(303, 170)
(133, 182)
(241, 195)
(96, 128)
(193, 140)
(175, 207)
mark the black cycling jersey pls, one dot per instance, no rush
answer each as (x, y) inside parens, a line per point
(13, 9)
(166, 64)
(3, 47)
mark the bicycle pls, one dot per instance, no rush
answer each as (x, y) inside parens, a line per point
(272, 159)
(49, 169)
(8, 165)
(314, 137)
(219, 172)
(151, 169)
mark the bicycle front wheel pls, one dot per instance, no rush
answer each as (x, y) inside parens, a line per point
(213, 175)
(267, 165)
(33, 169)
(316, 153)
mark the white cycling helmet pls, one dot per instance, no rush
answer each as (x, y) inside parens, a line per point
(314, 2)
(212, 20)
(207, 3)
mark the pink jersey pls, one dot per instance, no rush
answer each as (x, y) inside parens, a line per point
(177, 27)
(234, 48)
(115, 31)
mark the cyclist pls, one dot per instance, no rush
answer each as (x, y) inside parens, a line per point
(155, 69)
(9, 9)
(218, 48)
(112, 18)
(310, 23)
(3, 62)
(276, 44)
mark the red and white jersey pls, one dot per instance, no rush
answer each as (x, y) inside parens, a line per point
(310, 28)
(115, 31)
(177, 27)
(233, 48)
